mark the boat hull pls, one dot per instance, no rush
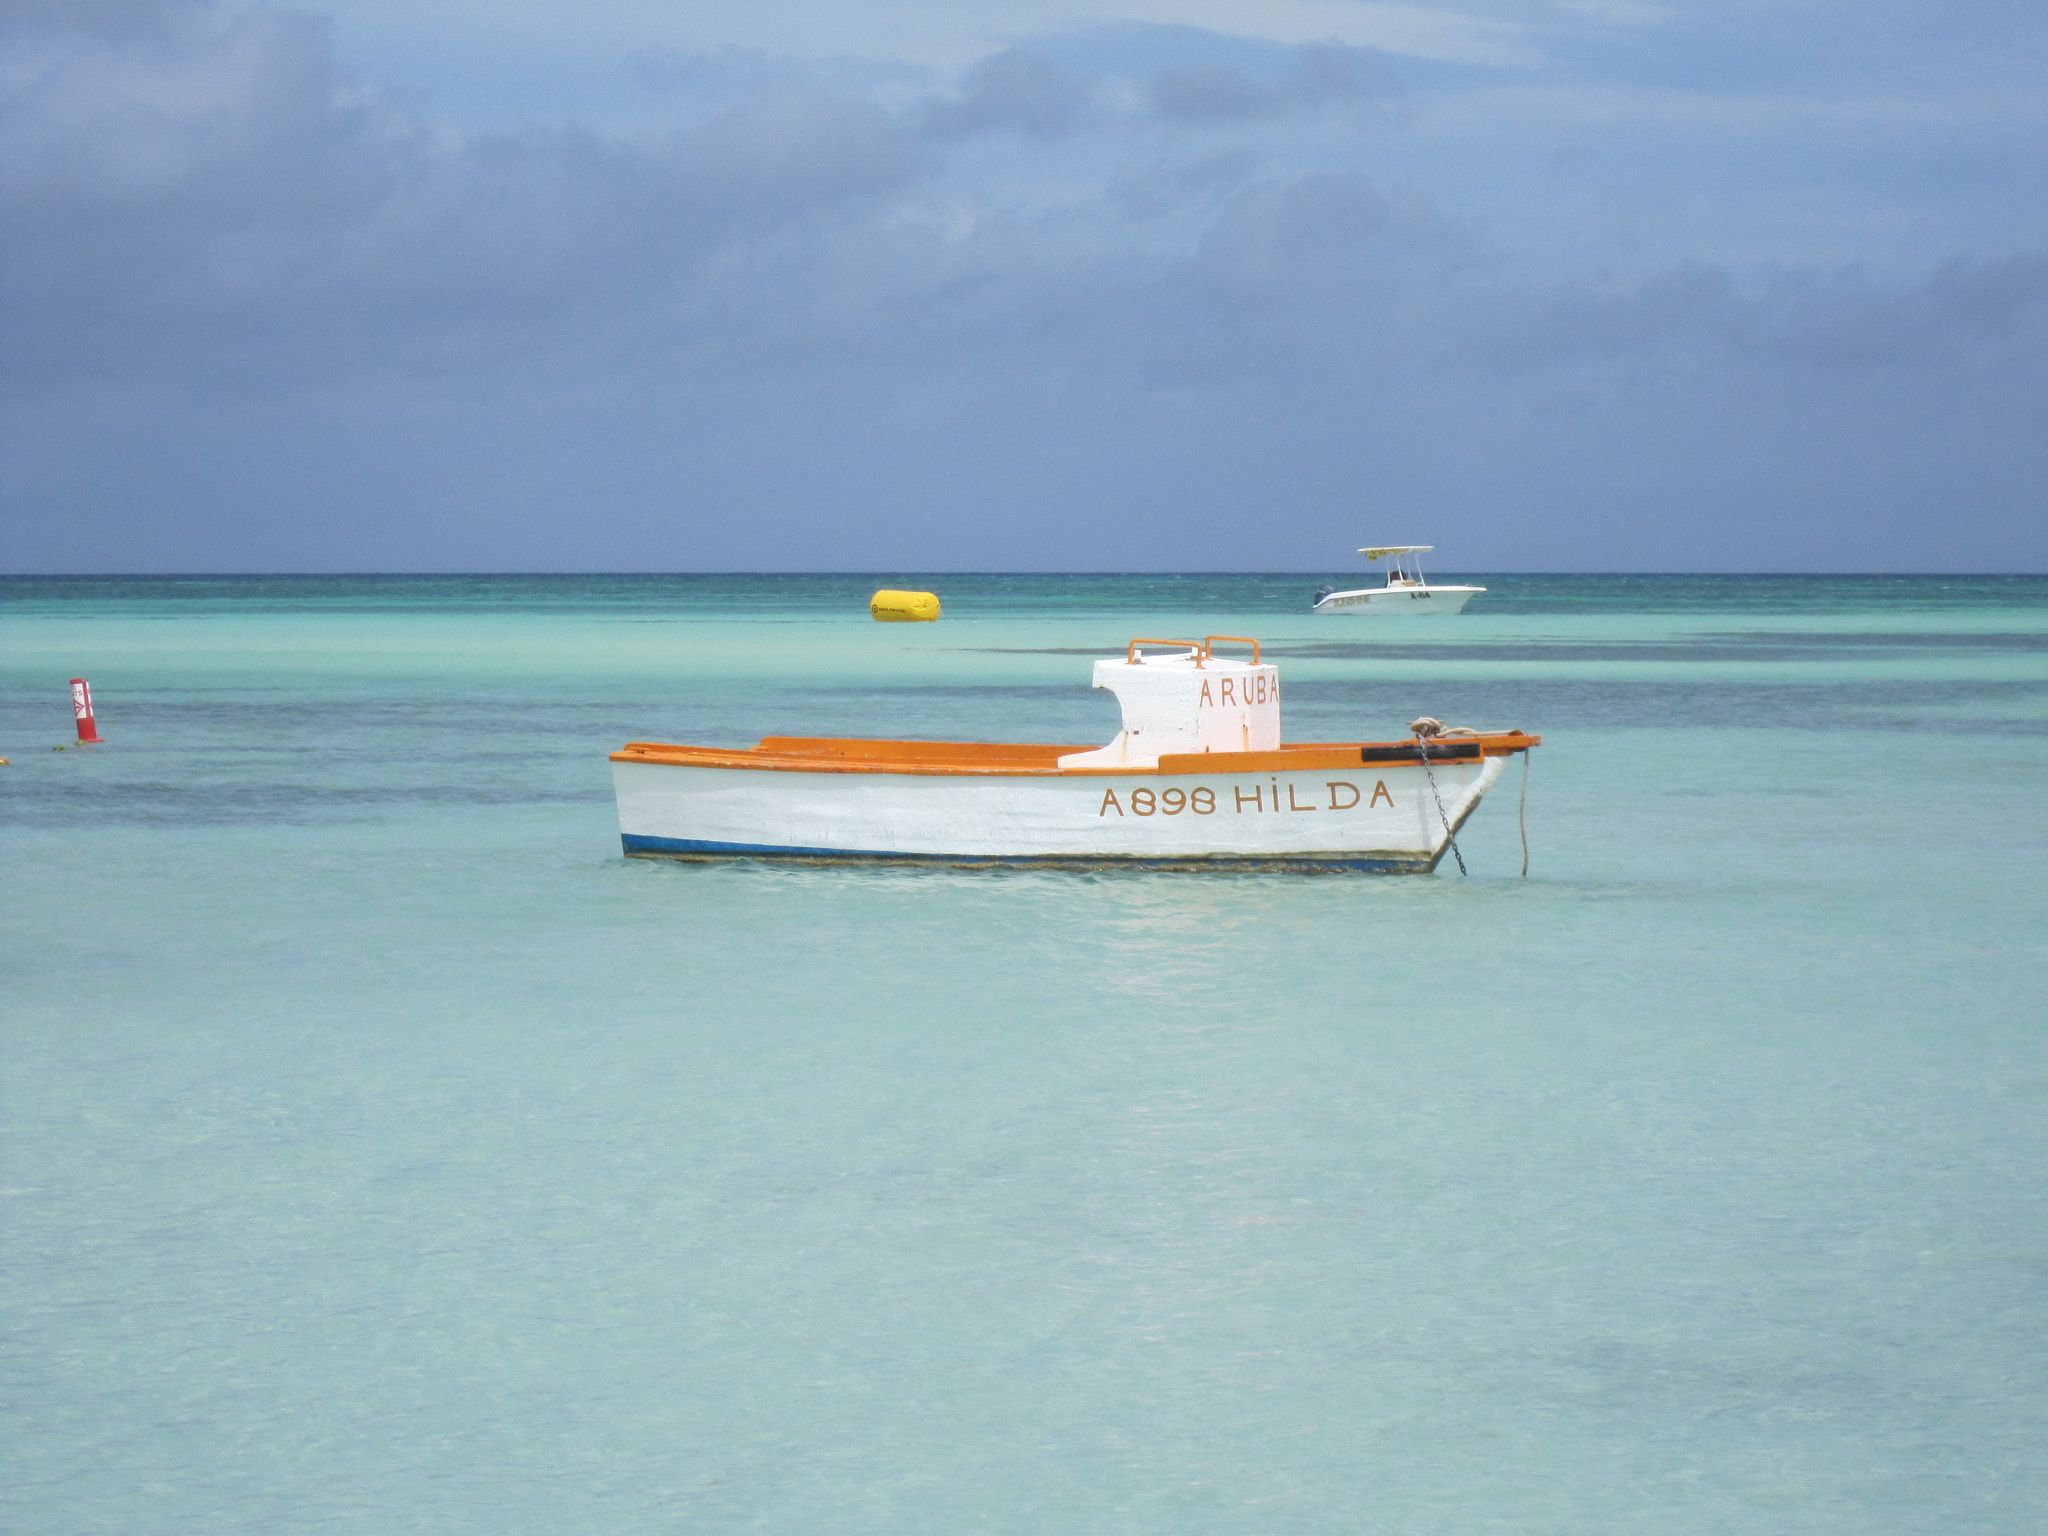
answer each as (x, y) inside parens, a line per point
(1399, 600)
(1378, 816)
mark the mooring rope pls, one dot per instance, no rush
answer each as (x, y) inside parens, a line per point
(1522, 815)
(1422, 746)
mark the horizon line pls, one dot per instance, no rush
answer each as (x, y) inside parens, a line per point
(1913, 575)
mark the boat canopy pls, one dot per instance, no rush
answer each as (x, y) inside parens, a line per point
(1375, 551)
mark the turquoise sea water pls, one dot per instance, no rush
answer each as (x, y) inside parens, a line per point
(383, 1153)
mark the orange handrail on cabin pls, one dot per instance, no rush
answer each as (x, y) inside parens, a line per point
(1131, 651)
(1203, 649)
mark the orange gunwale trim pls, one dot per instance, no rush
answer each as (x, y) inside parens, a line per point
(987, 759)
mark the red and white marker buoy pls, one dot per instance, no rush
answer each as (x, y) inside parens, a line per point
(81, 706)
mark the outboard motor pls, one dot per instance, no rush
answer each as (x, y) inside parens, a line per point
(1321, 593)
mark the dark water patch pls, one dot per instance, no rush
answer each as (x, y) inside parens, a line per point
(735, 595)
(631, 597)
(224, 802)
(1481, 650)
(2006, 709)
(208, 763)
(991, 693)
(1753, 646)
(2034, 640)
(251, 722)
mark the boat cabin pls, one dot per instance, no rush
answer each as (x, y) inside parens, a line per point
(1186, 699)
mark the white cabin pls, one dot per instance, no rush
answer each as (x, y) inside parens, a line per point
(1185, 701)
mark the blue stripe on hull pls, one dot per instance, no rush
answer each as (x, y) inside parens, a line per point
(638, 845)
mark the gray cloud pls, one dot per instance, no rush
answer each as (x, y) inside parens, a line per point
(1015, 91)
(1822, 47)
(690, 71)
(235, 283)
(1170, 187)
(220, 205)
(1312, 77)
(103, 19)
(1963, 312)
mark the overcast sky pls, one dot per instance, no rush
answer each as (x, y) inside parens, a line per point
(1101, 285)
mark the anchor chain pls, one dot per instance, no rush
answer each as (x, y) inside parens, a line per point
(1424, 728)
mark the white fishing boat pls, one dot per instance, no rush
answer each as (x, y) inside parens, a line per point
(1405, 590)
(1198, 778)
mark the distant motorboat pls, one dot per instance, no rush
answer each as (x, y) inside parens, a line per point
(1405, 591)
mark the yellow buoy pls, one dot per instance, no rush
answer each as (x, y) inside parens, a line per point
(903, 607)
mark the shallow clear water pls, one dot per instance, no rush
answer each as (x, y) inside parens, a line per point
(384, 1153)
